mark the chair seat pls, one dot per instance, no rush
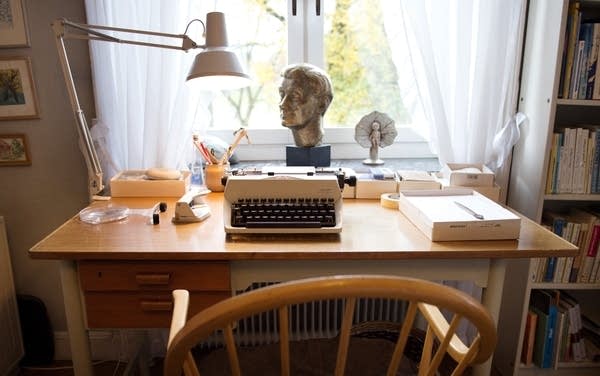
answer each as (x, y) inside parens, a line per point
(313, 357)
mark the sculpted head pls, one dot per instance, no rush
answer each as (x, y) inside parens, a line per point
(305, 94)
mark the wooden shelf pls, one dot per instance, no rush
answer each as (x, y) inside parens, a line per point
(581, 371)
(565, 286)
(578, 102)
(572, 197)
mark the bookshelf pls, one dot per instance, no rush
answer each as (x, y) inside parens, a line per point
(541, 99)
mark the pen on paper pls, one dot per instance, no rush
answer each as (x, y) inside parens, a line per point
(239, 134)
(469, 210)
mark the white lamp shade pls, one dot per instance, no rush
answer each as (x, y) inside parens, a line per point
(217, 69)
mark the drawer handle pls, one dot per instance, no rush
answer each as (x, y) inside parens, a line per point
(153, 306)
(153, 278)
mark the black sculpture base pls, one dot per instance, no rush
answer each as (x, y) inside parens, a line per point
(316, 156)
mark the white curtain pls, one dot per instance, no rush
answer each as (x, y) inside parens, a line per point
(144, 109)
(465, 58)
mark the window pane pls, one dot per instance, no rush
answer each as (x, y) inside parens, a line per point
(365, 52)
(257, 31)
(359, 57)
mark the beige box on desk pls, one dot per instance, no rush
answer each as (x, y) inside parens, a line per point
(134, 183)
(458, 214)
(374, 188)
(492, 192)
(468, 174)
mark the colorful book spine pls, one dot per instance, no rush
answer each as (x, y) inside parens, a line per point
(543, 303)
(529, 338)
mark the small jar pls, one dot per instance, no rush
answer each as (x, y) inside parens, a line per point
(213, 174)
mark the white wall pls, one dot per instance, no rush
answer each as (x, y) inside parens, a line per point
(36, 199)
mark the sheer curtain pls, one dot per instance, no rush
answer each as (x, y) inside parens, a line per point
(465, 59)
(144, 109)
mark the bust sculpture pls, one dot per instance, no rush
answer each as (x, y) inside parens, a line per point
(305, 93)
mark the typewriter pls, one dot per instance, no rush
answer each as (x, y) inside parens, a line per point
(284, 200)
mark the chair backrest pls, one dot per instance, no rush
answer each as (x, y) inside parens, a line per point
(423, 296)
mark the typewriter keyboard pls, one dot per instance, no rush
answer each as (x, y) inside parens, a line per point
(283, 212)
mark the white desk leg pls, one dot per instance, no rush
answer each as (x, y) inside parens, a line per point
(78, 338)
(492, 299)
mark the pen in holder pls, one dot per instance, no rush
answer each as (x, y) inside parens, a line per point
(213, 174)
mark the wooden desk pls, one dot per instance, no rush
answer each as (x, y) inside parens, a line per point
(373, 240)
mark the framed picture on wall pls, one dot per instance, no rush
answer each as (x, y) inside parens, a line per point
(14, 150)
(17, 94)
(13, 26)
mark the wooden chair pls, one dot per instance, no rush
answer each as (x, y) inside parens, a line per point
(423, 296)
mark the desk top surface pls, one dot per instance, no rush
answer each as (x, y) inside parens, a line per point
(369, 232)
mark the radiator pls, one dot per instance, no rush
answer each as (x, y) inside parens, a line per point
(319, 319)
(10, 339)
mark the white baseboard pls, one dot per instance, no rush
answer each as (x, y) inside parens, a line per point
(114, 344)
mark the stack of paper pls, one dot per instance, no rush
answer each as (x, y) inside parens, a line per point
(458, 214)
(410, 180)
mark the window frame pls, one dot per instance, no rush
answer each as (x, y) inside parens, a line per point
(305, 44)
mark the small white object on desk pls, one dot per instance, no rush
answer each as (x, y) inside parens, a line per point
(191, 207)
(160, 173)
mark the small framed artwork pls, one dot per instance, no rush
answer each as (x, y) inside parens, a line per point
(14, 150)
(13, 28)
(17, 94)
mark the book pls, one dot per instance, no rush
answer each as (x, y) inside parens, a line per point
(579, 160)
(565, 337)
(529, 338)
(577, 65)
(586, 35)
(587, 260)
(413, 179)
(595, 161)
(561, 319)
(543, 303)
(557, 223)
(577, 349)
(552, 166)
(574, 16)
(592, 61)
(589, 222)
(458, 214)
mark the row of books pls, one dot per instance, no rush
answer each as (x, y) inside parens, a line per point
(582, 228)
(574, 165)
(557, 331)
(580, 55)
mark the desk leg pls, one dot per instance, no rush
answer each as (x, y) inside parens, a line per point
(78, 338)
(492, 299)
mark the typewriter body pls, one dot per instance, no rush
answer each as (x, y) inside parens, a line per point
(284, 200)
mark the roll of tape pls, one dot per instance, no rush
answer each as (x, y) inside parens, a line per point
(389, 200)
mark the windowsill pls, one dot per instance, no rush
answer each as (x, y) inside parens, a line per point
(423, 164)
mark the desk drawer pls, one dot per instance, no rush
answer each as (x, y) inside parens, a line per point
(141, 309)
(155, 276)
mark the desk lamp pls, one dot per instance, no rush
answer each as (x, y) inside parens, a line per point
(214, 68)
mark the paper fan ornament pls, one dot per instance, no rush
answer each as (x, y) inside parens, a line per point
(375, 130)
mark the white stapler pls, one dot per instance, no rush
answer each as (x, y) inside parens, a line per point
(191, 207)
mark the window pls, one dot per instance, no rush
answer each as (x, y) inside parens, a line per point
(360, 44)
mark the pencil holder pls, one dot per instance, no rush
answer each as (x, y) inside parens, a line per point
(213, 174)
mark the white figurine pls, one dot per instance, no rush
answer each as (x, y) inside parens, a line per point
(373, 131)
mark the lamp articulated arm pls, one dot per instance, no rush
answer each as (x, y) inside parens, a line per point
(86, 144)
(216, 67)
